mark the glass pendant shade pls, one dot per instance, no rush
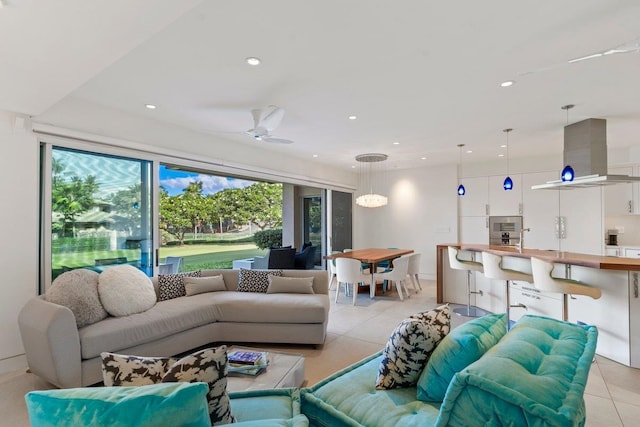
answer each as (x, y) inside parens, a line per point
(567, 174)
(371, 175)
(507, 184)
(461, 190)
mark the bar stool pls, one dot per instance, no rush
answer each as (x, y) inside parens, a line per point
(544, 281)
(460, 264)
(493, 270)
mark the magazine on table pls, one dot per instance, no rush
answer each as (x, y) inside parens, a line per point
(247, 362)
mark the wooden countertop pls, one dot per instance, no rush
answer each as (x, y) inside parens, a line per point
(593, 261)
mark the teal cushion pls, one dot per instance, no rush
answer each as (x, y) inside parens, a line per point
(254, 405)
(535, 376)
(463, 346)
(297, 421)
(349, 398)
(175, 404)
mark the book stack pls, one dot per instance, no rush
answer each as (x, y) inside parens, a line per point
(247, 362)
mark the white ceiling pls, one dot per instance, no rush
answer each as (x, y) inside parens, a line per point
(426, 74)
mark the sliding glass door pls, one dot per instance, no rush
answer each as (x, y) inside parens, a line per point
(97, 211)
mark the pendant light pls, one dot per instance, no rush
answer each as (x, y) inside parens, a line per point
(371, 176)
(461, 189)
(508, 182)
(567, 173)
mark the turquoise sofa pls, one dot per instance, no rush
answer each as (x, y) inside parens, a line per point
(535, 375)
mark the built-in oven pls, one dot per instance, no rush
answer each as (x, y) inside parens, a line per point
(504, 230)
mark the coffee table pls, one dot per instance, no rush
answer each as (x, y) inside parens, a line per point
(284, 370)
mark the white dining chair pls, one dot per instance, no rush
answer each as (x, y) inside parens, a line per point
(331, 266)
(397, 275)
(348, 272)
(414, 270)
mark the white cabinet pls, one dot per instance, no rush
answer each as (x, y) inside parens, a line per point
(621, 199)
(474, 229)
(476, 200)
(540, 211)
(534, 302)
(632, 252)
(582, 211)
(613, 251)
(502, 202)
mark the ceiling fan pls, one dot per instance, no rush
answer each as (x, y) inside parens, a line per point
(265, 120)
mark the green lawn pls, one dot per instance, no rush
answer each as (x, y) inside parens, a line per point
(200, 257)
(195, 257)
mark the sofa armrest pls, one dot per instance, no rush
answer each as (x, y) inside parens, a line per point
(51, 342)
(535, 375)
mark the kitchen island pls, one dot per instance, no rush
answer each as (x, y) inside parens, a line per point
(616, 313)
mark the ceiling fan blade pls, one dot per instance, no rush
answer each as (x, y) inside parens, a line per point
(269, 117)
(275, 140)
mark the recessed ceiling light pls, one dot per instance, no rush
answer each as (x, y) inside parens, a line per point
(507, 83)
(500, 155)
(423, 158)
(396, 143)
(252, 60)
(315, 155)
(469, 151)
(503, 146)
(150, 106)
(353, 117)
(353, 166)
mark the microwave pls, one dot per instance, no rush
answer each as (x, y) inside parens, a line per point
(505, 230)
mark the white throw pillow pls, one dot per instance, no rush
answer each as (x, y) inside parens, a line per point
(125, 290)
(78, 291)
(290, 285)
(199, 285)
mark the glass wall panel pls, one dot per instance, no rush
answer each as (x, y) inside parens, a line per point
(101, 207)
(341, 220)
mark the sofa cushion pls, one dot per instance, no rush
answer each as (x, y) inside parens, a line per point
(460, 348)
(349, 398)
(125, 290)
(184, 404)
(268, 407)
(255, 280)
(165, 318)
(535, 375)
(295, 285)
(78, 291)
(172, 285)
(200, 285)
(410, 346)
(271, 308)
(208, 366)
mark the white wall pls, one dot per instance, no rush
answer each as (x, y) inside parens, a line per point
(19, 219)
(422, 212)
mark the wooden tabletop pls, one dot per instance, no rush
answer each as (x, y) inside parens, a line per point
(371, 255)
(560, 257)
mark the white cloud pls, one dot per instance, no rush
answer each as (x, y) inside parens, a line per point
(210, 184)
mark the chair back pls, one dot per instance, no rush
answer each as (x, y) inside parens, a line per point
(348, 270)
(458, 264)
(544, 281)
(414, 264)
(282, 258)
(175, 262)
(492, 265)
(400, 269)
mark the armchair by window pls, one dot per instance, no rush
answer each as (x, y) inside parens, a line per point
(305, 259)
(277, 258)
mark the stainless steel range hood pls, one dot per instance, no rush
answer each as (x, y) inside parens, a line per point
(585, 149)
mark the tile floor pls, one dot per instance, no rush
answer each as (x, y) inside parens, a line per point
(612, 395)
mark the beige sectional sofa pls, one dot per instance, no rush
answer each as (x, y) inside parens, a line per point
(66, 356)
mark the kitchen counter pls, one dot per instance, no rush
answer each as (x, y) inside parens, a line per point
(616, 313)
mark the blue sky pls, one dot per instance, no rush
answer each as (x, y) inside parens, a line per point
(176, 181)
(114, 174)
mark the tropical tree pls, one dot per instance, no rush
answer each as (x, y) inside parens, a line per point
(263, 202)
(127, 205)
(71, 196)
(172, 215)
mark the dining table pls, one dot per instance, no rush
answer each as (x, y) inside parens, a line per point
(371, 256)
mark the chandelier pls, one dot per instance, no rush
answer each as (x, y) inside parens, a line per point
(370, 177)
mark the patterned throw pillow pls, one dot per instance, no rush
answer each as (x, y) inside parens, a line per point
(172, 285)
(208, 366)
(410, 346)
(255, 280)
(123, 370)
